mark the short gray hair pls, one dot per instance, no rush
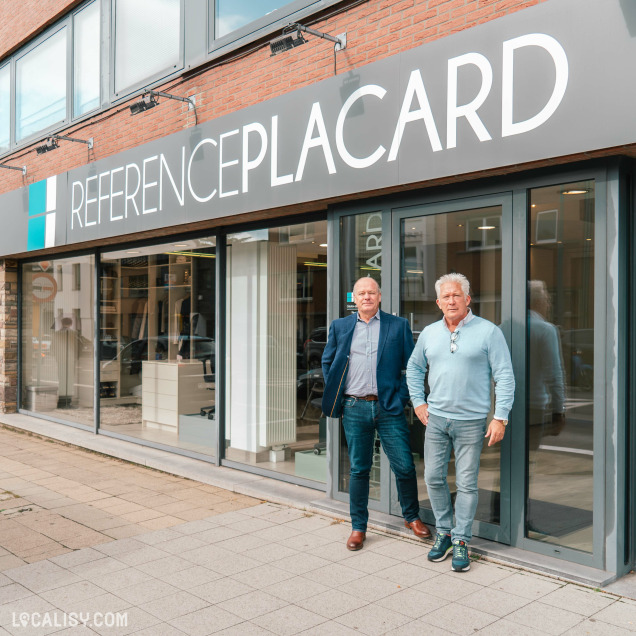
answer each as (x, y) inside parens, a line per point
(366, 279)
(454, 277)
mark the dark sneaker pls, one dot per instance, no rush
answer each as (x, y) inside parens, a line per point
(441, 548)
(461, 562)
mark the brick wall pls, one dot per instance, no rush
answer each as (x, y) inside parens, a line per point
(22, 20)
(375, 29)
(8, 335)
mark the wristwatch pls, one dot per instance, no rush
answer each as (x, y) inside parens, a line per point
(504, 422)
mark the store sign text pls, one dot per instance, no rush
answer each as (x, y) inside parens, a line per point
(138, 188)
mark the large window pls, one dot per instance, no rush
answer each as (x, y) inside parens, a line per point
(5, 107)
(158, 344)
(58, 339)
(276, 332)
(86, 52)
(560, 368)
(41, 86)
(147, 40)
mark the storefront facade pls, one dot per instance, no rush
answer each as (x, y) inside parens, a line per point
(176, 290)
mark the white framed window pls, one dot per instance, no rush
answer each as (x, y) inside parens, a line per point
(86, 59)
(41, 86)
(148, 40)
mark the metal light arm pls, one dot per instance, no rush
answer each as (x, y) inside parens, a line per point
(341, 42)
(22, 169)
(188, 100)
(88, 142)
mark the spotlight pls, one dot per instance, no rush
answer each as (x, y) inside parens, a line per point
(286, 42)
(147, 102)
(47, 146)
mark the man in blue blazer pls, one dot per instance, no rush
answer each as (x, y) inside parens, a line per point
(363, 365)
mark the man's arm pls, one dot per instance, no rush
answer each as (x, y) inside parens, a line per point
(501, 368)
(415, 375)
(407, 350)
(329, 352)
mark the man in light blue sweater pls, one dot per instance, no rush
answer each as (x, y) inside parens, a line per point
(462, 354)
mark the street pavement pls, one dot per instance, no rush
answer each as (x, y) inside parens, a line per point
(90, 544)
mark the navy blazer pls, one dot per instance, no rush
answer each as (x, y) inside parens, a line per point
(395, 345)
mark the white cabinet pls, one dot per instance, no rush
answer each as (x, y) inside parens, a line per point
(170, 389)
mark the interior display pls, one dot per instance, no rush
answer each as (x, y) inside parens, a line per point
(157, 340)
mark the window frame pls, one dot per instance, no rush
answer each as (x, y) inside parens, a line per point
(150, 80)
(9, 65)
(34, 136)
(73, 16)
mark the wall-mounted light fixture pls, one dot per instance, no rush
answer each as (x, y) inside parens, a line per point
(293, 36)
(22, 169)
(51, 143)
(47, 146)
(149, 100)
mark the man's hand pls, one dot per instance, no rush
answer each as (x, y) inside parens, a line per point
(496, 431)
(422, 413)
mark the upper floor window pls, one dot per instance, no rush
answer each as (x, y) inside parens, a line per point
(40, 78)
(86, 66)
(231, 15)
(147, 40)
(5, 107)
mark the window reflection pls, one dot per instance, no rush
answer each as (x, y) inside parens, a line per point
(41, 86)
(560, 365)
(86, 75)
(57, 339)
(231, 15)
(5, 107)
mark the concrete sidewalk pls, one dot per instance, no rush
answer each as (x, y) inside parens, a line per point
(92, 537)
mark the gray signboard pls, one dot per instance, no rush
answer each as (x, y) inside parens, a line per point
(524, 87)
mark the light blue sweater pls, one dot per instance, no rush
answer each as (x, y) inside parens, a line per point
(460, 383)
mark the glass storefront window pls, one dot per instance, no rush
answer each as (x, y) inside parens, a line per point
(231, 15)
(360, 255)
(5, 107)
(468, 242)
(157, 344)
(276, 332)
(41, 86)
(58, 330)
(86, 75)
(147, 39)
(560, 367)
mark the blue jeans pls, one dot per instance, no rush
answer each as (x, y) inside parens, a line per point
(360, 420)
(466, 437)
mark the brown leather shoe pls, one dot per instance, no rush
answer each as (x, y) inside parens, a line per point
(419, 529)
(356, 540)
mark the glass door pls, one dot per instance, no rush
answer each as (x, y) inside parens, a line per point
(472, 237)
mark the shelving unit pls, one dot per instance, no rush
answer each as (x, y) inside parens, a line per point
(146, 306)
(109, 330)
